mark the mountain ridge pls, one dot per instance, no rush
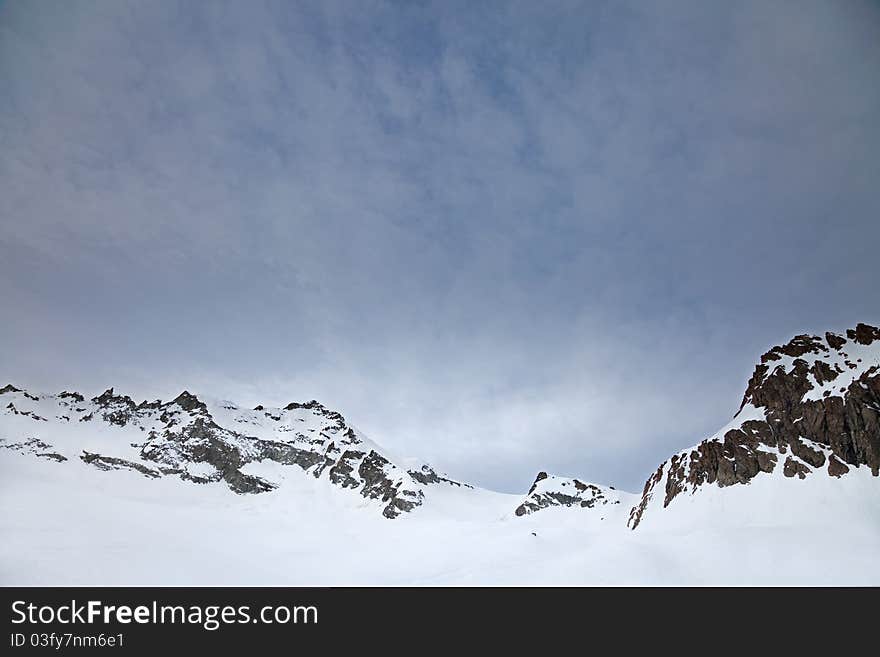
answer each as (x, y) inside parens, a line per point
(185, 438)
(811, 403)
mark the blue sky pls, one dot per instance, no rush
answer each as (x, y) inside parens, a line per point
(504, 237)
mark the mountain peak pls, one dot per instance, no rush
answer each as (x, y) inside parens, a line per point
(189, 402)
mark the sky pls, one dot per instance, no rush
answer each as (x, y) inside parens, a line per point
(502, 237)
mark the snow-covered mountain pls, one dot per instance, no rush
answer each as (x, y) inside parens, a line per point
(199, 491)
(245, 449)
(811, 409)
(551, 490)
(202, 443)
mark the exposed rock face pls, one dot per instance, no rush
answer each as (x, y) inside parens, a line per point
(549, 491)
(190, 402)
(112, 463)
(810, 403)
(378, 485)
(115, 409)
(221, 443)
(427, 475)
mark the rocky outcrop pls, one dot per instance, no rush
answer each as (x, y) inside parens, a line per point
(33, 446)
(811, 406)
(12, 408)
(115, 409)
(552, 491)
(189, 402)
(427, 475)
(373, 471)
(112, 463)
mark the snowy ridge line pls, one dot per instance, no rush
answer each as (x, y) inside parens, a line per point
(211, 442)
(554, 491)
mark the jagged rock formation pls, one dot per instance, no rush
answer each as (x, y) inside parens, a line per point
(187, 438)
(427, 475)
(550, 490)
(812, 406)
(33, 446)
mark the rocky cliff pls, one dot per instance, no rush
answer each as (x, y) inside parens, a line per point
(811, 408)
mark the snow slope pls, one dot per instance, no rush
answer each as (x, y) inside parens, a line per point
(76, 525)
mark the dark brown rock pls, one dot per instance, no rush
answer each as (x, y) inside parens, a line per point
(864, 334)
(834, 340)
(541, 476)
(836, 468)
(793, 468)
(845, 421)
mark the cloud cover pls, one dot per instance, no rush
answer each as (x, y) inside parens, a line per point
(505, 237)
